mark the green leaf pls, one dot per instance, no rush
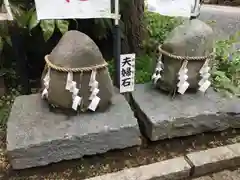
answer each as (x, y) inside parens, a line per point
(48, 27)
(33, 22)
(8, 40)
(21, 15)
(219, 73)
(62, 25)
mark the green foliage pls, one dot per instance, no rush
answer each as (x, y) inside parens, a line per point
(157, 27)
(62, 26)
(5, 107)
(33, 21)
(143, 69)
(27, 19)
(48, 27)
(226, 71)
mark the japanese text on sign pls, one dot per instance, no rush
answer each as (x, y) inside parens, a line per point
(127, 73)
(71, 9)
(181, 8)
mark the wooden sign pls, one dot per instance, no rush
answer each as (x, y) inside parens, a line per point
(73, 9)
(127, 73)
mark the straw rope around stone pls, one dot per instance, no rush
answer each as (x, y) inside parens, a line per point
(64, 69)
(188, 58)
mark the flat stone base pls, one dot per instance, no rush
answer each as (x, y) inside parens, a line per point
(161, 117)
(37, 137)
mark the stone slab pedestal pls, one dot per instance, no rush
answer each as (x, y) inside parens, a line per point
(161, 117)
(37, 137)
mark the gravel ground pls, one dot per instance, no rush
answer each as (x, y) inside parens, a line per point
(223, 175)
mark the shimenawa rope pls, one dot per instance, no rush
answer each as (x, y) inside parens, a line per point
(64, 69)
(187, 58)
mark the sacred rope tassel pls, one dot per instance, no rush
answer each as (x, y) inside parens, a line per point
(157, 74)
(72, 87)
(46, 81)
(204, 83)
(69, 81)
(182, 77)
(76, 99)
(93, 83)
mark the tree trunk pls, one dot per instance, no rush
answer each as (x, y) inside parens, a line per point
(132, 16)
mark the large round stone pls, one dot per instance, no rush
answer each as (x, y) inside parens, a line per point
(77, 50)
(192, 38)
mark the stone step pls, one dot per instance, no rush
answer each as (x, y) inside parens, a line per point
(160, 117)
(184, 167)
(38, 137)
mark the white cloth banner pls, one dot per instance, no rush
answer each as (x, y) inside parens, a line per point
(181, 8)
(71, 9)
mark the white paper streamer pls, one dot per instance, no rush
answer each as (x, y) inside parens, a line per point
(71, 86)
(205, 86)
(157, 74)
(93, 77)
(182, 77)
(76, 102)
(76, 99)
(94, 103)
(75, 92)
(69, 81)
(45, 93)
(47, 77)
(157, 77)
(93, 83)
(46, 81)
(94, 93)
(204, 83)
(205, 77)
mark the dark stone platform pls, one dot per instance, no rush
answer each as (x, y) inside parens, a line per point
(37, 137)
(161, 117)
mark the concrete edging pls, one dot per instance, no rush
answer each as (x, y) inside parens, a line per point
(191, 165)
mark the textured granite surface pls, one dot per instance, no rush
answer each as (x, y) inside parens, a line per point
(161, 117)
(37, 137)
